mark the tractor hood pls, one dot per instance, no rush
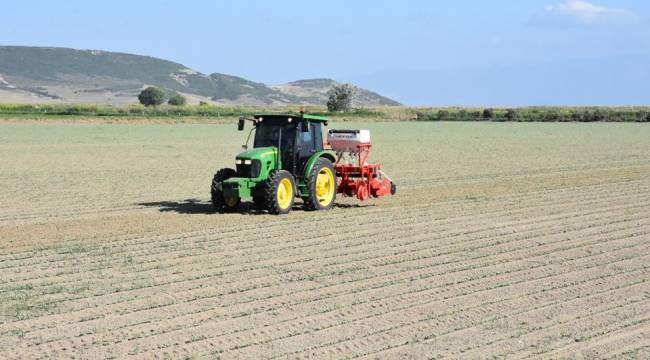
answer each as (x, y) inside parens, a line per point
(257, 153)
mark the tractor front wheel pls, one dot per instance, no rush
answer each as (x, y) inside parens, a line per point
(219, 202)
(322, 186)
(279, 192)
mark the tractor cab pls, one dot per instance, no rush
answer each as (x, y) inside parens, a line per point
(296, 137)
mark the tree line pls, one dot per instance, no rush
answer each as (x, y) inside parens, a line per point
(538, 114)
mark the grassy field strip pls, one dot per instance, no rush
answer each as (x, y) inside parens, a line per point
(412, 169)
(334, 214)
(74, 205)
(58, 214)
(385, 309)
(452, 207)
(553, 181)
(84, 211)
(49, 259)
(352, 330)
(50, 214)
(423, 181)
(81, 208)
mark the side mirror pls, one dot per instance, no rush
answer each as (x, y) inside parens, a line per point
(240, 125)
(304, 126)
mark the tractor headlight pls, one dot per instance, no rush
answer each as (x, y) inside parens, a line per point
(247, 162)
(238, 162)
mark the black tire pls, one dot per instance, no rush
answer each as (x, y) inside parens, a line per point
(260, 202)
(271, 189)
(311, 202)
(218, 200)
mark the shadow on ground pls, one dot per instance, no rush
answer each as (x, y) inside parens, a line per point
(195, 206)
(352, 206)
(189, 206)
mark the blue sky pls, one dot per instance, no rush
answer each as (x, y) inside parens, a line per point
(534, 52)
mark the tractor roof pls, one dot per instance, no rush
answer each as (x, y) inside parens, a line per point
(316, 118)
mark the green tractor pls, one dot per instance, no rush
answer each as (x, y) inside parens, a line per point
(287, 161)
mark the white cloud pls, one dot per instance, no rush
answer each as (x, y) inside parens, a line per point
(584, 13)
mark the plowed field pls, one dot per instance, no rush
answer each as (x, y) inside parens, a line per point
(504, 240)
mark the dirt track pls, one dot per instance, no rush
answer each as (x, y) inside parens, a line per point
(505, 240)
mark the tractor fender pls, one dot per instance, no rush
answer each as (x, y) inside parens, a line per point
(312, 160)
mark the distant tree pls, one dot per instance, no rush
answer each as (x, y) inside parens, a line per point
(511, 114)
(152, 96)
(341, 97)
(177, 100)
(488, 113)
(203, 103)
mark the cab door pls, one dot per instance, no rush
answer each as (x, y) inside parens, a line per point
(309, 143)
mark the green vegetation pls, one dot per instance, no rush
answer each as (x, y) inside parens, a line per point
(167, 111)
(152, 96)
(537, 114)
(177, 100)
(341, 97)
(132, 111)
(532, 114)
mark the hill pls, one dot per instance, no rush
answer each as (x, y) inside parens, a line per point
(315, 91)
(43, 74)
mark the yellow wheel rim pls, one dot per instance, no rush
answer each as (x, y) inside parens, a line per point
(325, 186)
(231, 201)
(285, 194)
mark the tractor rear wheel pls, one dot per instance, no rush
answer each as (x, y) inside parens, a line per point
(218, 201)
(279, 191)
(322, 186)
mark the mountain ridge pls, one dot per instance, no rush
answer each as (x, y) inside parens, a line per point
(64, 75)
